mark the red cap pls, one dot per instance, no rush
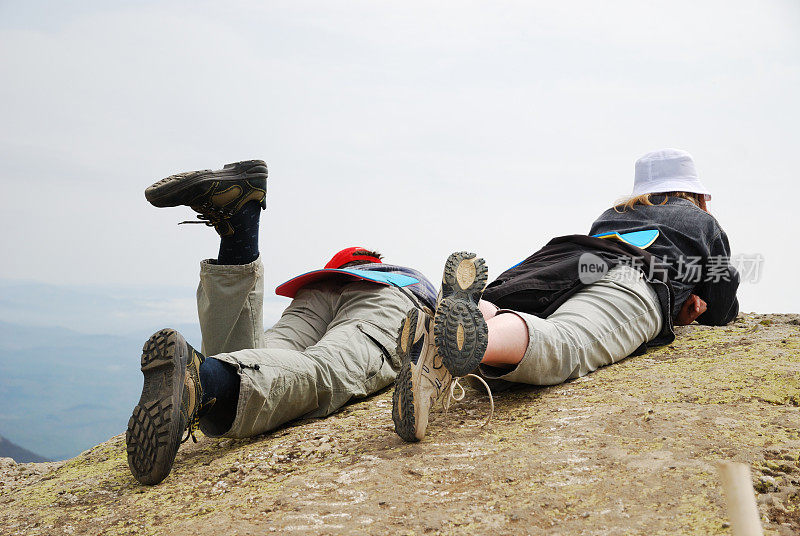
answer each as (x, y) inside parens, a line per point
(349, 255)
(290, 288)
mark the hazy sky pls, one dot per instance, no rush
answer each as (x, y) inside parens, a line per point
(414, 128)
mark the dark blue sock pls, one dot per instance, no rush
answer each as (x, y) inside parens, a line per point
(221, 381)
(242, 246)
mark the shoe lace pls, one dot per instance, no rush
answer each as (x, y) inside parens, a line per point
(210, 214)
(454, 382)
(194, 423)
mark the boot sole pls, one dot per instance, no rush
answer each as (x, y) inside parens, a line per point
(403, 396)
(461, 335)
(403, 405)
(464, 277)
(460, 331)
(170, 191)
(154, 429)
(408, 334)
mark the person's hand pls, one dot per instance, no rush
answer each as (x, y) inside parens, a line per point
(692, 308)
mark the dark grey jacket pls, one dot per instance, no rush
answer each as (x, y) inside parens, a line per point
(692, 248)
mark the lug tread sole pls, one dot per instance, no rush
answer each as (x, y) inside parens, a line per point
(455, 276)
(153, 434)
(403, 405)
(460, 334)
(405, 335)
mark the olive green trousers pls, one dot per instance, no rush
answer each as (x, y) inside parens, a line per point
(334, 342)
(599, 325)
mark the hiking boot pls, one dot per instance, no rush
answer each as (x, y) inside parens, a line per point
(216, 195)
(168, 406)
(460, 331)
(422, 379)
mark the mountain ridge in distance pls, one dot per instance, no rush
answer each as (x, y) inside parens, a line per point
(17, 453)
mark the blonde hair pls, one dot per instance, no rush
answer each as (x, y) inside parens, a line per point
(630, 202)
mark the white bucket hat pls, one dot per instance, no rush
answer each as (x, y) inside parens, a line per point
(667, 170)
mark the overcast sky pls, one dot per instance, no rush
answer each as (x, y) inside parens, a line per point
(413, 128)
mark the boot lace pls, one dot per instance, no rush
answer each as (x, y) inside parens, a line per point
(210, 214)
(194, 422)
(451, 396)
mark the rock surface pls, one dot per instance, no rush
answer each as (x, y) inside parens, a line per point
(629, 449)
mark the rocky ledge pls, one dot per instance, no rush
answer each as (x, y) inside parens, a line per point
(630, 449)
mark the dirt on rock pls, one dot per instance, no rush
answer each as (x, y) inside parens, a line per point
(629, 449)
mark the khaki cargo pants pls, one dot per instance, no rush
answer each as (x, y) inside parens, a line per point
(599, 325)
(334, 342)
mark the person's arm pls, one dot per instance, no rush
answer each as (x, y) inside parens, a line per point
(720, 295)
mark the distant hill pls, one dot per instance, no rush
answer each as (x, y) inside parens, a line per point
(17, 453)
(69, 358)
(62, 392)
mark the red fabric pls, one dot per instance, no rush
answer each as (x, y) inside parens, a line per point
(291, 287)
(348, 255)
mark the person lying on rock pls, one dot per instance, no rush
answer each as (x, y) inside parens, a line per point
(579, 303)
(335, 341)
